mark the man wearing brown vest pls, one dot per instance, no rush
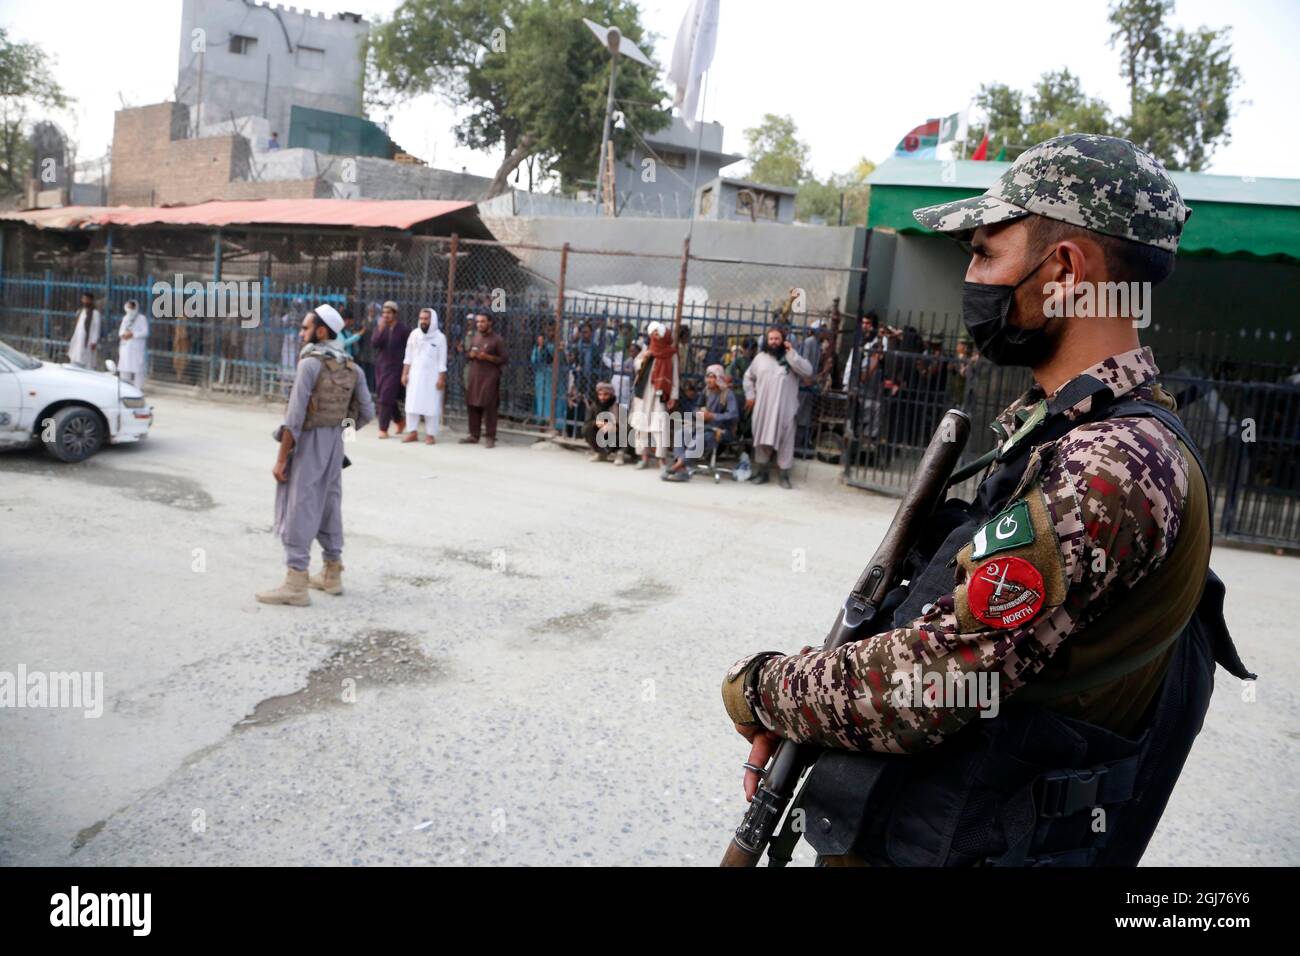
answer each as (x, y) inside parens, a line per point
(329, 394)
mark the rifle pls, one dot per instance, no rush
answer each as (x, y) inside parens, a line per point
(856, 620)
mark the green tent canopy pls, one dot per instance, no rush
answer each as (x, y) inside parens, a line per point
(1232, 216)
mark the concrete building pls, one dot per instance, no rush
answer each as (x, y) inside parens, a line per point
(659, 176)
(156, 161)
(241, 58)
(741, 200)
(819, 260)
(1233, 290)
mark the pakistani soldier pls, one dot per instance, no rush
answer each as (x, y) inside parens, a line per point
(1035, 686)
(329, 393)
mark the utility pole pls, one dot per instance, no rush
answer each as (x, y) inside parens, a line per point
(617, 44)
(612, 39)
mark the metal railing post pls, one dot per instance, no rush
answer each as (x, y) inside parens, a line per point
(448, 321)
(211, 320)
(559, 321)
(681, 294)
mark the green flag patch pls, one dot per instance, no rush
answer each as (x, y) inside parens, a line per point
(1011, 529)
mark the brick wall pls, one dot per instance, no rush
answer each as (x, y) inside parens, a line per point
(154, 164)
(279, 189)
(196, 170)
(142, 138)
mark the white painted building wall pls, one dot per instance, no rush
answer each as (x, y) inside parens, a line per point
(296, 57)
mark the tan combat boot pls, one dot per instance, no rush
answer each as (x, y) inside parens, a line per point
(330, 580)
(293, 591)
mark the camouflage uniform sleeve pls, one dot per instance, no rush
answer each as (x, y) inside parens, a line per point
(1104, 503)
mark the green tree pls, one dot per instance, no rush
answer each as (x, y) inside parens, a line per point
(1005, 109)
(528, 74)
(776, 154)
(818, 199)
(1181, 83)
(26, 86)
(1139, 30)
(1056, 105)
(1059, 105)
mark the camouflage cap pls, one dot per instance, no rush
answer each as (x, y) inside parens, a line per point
(1100, 183)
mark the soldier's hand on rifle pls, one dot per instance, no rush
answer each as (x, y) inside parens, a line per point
(762, 745)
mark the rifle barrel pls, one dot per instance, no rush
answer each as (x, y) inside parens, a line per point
(857, 614)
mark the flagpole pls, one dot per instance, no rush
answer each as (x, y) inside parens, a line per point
(699, 142)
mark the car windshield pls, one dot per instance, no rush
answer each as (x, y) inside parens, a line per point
(20, 360)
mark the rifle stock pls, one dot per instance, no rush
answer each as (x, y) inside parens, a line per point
(855, 621)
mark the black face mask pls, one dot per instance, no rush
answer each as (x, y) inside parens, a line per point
(984, 310)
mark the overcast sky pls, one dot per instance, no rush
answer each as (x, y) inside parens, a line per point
(855, 74)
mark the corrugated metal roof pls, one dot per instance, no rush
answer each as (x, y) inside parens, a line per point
(64, 217)
(1195, 187)
(349, 213)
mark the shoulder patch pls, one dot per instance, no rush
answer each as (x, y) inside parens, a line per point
(1005, 592)
(1010, 529)
(1013, 569)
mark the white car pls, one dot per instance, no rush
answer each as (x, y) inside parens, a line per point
(72, 411)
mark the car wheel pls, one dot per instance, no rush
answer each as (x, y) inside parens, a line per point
(78, 434)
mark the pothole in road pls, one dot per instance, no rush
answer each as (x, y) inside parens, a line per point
(379, 658)
(85, 836)
(175, 491)
(645, 593)
(582, 620)
(414, 580)
(496, 562)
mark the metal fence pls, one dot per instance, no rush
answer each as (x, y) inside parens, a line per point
(572, 317)
(1248, 432)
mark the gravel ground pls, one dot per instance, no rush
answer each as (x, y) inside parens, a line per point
(524, 668)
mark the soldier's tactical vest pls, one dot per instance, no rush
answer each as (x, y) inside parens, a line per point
(1036, 785)
(331, 400)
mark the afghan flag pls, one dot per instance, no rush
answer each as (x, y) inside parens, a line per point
(920, 143)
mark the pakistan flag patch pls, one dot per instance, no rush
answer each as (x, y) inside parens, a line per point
(1011, 529)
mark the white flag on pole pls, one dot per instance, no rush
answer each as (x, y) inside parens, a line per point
(693, 55)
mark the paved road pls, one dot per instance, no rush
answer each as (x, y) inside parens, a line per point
(524, 668)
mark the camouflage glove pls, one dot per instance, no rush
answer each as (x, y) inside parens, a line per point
(734, 686)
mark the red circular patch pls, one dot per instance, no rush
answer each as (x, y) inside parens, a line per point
(1005, 592)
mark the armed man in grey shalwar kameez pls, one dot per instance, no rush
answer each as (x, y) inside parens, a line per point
(329, 392)
(772, 393)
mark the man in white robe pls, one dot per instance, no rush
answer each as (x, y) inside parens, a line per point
(84, 344)
(133, 340)
(424, 373)
(651, 402)
(772, 394)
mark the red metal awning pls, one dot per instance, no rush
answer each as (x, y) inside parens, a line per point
(344, 213)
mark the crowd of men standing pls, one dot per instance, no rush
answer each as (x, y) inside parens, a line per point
(624, 390)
